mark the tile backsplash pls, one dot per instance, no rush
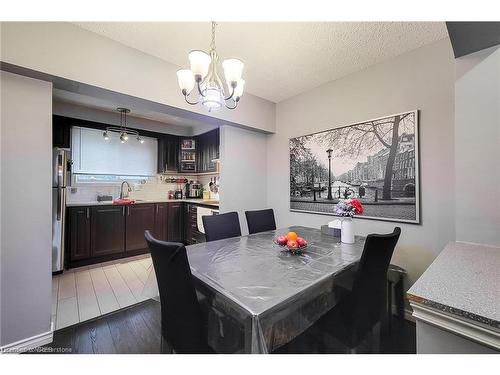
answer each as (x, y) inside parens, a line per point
(154, 188)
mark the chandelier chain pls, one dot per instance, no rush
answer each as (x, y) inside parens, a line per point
(212, 44)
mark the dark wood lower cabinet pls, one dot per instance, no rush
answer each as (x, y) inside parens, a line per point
(100, 233)
(79, 233)
(161, 221)
(175, 222)
(140, 218)
(107, 230)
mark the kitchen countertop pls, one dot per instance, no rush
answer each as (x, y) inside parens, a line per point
(464, 280)
(209, 203)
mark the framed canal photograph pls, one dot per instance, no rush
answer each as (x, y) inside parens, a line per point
(375, 161)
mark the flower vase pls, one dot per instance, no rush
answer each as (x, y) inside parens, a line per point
(347, 230)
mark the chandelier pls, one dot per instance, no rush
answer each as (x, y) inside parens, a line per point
(122, 130)
(212, 93)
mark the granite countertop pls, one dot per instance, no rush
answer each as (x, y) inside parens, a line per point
(210, 203)
(463, 280)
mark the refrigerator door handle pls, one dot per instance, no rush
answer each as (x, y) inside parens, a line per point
(60, 171)
(59, 205)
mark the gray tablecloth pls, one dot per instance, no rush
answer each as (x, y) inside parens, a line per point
(259, 297)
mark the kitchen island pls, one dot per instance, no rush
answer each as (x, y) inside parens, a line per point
(456, 302)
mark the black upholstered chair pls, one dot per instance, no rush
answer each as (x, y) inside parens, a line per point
(359, 311)
(260, 221)
(182, 324)
(218, 227)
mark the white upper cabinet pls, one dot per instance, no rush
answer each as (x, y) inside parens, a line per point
(92, 154)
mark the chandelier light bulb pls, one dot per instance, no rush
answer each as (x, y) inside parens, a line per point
(233, 69)
(185, 78)
(199, 62)
(106, 136)
(141, 140)
(123, 137)
(238, 91)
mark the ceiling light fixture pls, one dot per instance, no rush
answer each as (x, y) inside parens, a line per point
(122, 130)
(212, 93)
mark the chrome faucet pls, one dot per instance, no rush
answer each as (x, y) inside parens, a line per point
(122, 196)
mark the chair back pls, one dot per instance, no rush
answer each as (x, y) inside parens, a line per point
(181, 319)
(218, 227)
(370, 284)
(260, 221)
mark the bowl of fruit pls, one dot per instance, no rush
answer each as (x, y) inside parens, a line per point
(291, 242)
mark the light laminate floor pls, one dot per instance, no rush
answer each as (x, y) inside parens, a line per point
(87, 292)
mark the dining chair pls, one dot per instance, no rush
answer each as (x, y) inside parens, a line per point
(260, 221)
(218, 227)
(360, 310)
(182, 326)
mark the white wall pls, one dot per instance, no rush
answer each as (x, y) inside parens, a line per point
(243, 171)
(477, 145)
(26, 201)
(68, 51)
(422, 79)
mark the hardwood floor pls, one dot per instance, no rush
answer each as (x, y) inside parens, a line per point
(136, 330)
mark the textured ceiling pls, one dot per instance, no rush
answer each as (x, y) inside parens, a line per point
(282, 59)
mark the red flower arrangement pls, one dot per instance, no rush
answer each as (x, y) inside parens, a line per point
(358, 207)
(349, 207)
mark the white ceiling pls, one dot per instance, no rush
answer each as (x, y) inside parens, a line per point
(197, 126)
(282, 59)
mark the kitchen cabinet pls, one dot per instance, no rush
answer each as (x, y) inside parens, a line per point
(140, 217)
(79, 233)
(161, 221)
(168, 153)
(61, 133)
(101, 233)
(107, 230)
(175, 222)
(207, 150)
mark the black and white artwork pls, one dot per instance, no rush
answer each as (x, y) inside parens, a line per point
(375, 161)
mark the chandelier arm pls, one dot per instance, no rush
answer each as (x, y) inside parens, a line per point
(228, 107)
(188, 102)
(199, 89)
(115, 129)
(230, 96)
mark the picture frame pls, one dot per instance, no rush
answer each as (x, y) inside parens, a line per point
(376, 161)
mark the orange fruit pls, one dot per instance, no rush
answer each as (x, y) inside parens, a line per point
(291, 236)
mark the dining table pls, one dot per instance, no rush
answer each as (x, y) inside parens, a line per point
(256, 296)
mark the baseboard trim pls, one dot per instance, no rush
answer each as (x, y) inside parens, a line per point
(28, 344)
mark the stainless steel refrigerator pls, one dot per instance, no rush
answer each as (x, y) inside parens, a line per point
(61, 179)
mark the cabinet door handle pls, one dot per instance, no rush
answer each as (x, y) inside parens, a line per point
(88, 213)
(123, 211)
(128, 211)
